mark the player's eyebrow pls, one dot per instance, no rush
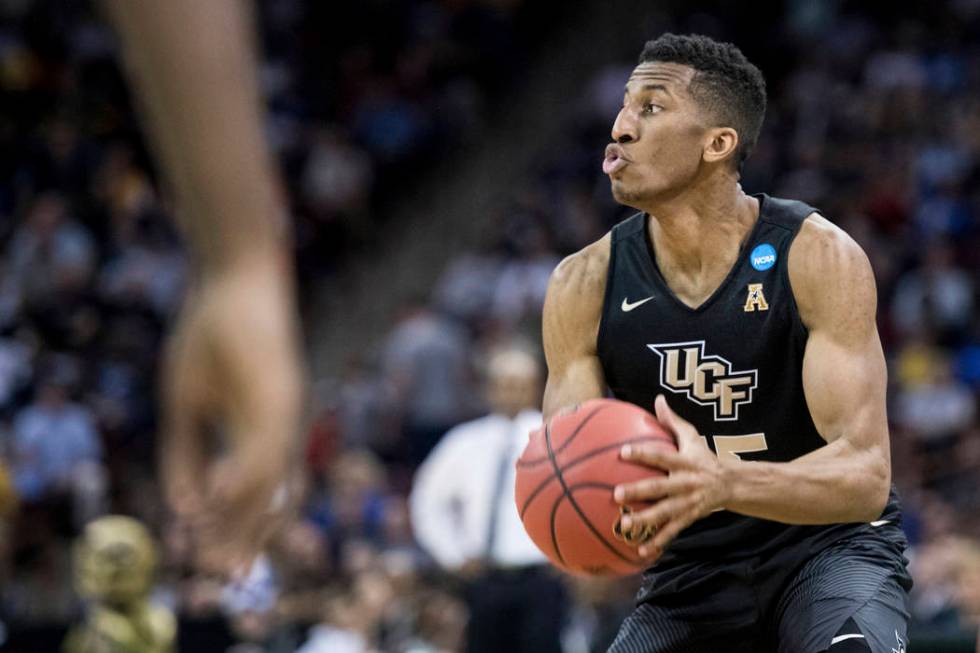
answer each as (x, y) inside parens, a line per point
(649, 87)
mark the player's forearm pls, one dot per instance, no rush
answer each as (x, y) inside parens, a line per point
(193, 66)
(834, 484)
(580, 382)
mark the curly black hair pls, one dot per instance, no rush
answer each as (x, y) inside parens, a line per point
(726, 83)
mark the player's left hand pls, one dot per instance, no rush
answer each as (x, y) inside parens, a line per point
(693, 488)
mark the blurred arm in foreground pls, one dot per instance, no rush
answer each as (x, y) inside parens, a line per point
(232, 365)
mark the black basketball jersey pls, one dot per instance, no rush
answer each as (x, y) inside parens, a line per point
(733, 366)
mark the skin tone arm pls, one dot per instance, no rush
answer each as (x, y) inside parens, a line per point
(194, 70)
(232, 364)
(572, 308)
(844, 378)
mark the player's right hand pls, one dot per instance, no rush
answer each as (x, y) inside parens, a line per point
(693, 488)
(232, 392)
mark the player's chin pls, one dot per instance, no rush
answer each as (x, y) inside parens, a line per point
(626, 193)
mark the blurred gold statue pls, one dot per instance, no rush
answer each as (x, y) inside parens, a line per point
(114, 562)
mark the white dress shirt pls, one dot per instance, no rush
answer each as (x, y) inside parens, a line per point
(453, 490)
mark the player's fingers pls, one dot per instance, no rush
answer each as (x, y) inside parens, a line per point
(649, 554)
(683, 430)
(658, 514)
(227, 548)
(245, 506)
(217, 528)
(653, 455)
(224, 558)
(648, 489)
(665, 535)
(653, 488)
(248, 502)
(183, 459)
(181, 470)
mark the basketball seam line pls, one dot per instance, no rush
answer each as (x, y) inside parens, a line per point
(603, 486)
(554, 533)
(576, 461)
(575, 506)
(554, 508)
(578, 429)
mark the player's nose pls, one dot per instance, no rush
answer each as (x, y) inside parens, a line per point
(624, 128)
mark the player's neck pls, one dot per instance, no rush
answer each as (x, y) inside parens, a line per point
(702, 228)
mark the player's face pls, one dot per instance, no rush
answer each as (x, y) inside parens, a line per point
(659, 136)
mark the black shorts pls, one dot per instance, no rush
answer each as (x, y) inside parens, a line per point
(854, 591)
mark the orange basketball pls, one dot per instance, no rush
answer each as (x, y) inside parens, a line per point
(565, 482)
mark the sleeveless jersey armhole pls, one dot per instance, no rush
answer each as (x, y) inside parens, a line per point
(784, 272)
(606, 294)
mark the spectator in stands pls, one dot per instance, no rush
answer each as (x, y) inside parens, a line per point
(426, 361)
(523, 280)
(938, 295)
(16, 358)
(945, 599)
(967, 592)
(938, 410)
(55, 447)
(337, 176)
(147, 272)
(466, 287)
(50, 253)
(463, 514)
(352, 503)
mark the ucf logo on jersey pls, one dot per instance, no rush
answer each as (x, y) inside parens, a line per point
(704, 379)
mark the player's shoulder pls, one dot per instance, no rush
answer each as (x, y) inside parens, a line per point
(828, 269)
(823, 250)
(573, 303)
(583, 272)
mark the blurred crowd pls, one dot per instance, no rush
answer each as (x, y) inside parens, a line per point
(92, 271)
(873, 118)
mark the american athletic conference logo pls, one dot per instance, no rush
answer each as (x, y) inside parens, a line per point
(705, 380)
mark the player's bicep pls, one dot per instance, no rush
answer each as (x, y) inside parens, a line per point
(844, 384)
(844, 374)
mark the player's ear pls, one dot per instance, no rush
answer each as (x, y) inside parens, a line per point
(720, 144)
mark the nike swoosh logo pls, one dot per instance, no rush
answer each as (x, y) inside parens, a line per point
(627, 307)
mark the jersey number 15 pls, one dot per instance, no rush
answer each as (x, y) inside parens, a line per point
(734, 445)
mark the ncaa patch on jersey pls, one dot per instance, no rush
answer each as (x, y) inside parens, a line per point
(763, 257)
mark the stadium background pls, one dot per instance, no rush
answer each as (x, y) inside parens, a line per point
(441, 157)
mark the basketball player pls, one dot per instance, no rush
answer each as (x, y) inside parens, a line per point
(776, 528)
(232, 368)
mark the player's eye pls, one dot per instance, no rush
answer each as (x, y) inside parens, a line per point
(651, 108)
